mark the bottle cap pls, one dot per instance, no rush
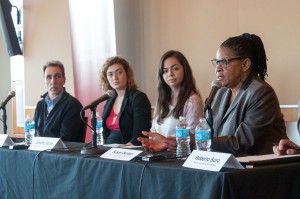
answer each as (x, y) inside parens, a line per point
(28, 118)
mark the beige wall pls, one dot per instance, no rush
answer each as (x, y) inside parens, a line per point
(195, 27)
(278, 24)
(46, 37)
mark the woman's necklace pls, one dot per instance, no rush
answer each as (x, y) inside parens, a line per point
(117, 107)
(115, 117)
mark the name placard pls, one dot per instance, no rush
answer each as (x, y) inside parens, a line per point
(5, 140)
(44, 143)
(211, 161)
(120, 154)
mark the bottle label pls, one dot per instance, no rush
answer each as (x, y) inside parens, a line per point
(27, 126)
(99, 124)
(32, 126)
(182, 133)
(202, 135)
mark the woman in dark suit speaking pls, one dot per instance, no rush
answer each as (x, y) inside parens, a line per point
(246, 111)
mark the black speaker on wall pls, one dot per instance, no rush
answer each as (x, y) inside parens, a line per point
(8, 29)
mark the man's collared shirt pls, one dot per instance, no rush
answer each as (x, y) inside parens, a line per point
(51, 102)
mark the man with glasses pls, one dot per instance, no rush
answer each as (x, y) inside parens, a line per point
(57, 114)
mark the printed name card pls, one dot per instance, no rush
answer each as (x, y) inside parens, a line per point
(120, 154)
(45, 143)
(211, 161)
(5, 140)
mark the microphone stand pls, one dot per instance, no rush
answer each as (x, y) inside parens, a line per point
(94, 149)
(4, 118)
(209, 119)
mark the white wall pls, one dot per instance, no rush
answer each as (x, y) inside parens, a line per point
(130, 36)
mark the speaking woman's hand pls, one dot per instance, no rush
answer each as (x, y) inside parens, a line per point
(170, 143)
(154, 142)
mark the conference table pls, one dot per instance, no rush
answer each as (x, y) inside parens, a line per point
(69, 174)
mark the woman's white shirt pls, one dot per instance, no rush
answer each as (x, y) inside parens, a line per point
(193, 110)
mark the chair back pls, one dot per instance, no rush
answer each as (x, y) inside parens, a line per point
(292, 131)
(84, 129)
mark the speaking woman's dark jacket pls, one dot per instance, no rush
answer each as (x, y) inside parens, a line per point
(134, 116)
(251, 123)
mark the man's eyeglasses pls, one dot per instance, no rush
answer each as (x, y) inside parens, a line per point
(224, 62)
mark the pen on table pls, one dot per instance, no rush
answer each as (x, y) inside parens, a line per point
(288, 147)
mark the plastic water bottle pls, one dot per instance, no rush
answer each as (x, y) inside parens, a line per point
(26, 128)
(29, 128)
(99, 131)
(203, 135)
(182, 138)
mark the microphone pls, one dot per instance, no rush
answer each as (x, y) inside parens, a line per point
(11, 94)
(106, 96)
(215, 85)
